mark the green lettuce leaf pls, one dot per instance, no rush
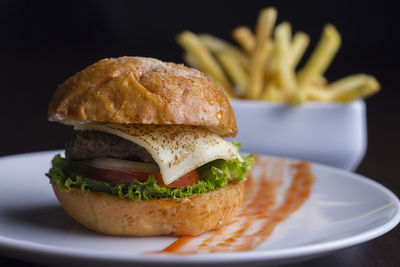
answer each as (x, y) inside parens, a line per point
(213, 175)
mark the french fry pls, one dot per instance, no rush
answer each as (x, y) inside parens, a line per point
(245, 38)
(321, 57)
(271, 63)
(314, 93)
(299, 45)
(285, 73)
(191, 60)
(216, 45)
(352, 87)
(272, 93)
(346, 89)
(265, 24)
(234, 69)
(320, 82)
(192, 44)
(299, 97)
(256, 72)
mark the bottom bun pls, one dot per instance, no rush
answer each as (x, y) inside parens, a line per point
(116, 216)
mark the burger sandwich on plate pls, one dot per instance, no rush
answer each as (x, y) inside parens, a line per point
(149, 156)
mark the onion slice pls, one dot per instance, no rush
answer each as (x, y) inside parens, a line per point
(125, 165)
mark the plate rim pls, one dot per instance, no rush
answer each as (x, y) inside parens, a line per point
(21, 246)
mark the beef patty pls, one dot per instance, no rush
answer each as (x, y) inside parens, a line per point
(94, 144)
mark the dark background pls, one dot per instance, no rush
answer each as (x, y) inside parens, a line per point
(43, 43)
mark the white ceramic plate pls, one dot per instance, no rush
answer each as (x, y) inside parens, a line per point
(344, 209)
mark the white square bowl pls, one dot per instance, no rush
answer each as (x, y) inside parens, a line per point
(330, 133)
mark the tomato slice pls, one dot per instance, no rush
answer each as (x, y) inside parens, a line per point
(190, 178)
(126, 177)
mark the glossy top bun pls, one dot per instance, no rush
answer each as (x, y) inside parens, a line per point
(143, 91)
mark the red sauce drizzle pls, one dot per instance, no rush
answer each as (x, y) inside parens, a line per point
(178, 244)
(259, 214)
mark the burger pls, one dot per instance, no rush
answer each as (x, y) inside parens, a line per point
(149, 156)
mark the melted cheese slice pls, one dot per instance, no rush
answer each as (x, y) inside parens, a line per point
(177, 149)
